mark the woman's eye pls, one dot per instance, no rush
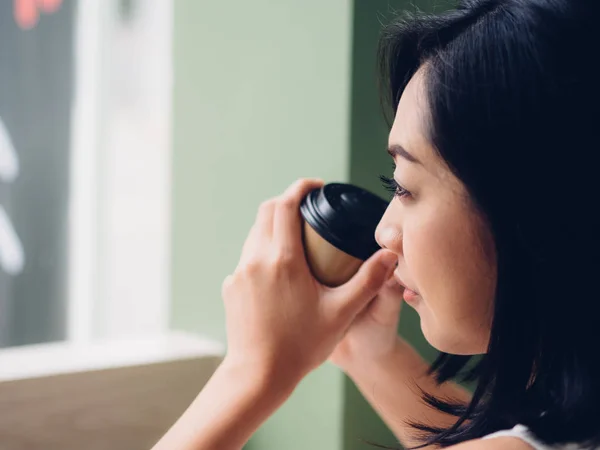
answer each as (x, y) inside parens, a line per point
(392, 186)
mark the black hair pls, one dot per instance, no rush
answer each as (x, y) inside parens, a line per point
(512, 93)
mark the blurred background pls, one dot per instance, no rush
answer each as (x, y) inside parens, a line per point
(137, 138)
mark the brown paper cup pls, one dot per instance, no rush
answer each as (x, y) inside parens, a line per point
(331, 266)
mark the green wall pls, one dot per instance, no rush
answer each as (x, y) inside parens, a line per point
(368, 160)
(260, 99)
(266, 92)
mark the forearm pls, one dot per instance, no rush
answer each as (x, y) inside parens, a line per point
(230, 408)
(391, 389)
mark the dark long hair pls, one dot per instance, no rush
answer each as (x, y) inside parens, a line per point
(512, 89)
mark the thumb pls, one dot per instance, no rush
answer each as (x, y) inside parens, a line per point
(385, 308)
(362, 287)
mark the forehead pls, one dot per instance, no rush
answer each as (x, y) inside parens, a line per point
(409, 128)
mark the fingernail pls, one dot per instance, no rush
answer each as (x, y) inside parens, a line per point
(389, 259)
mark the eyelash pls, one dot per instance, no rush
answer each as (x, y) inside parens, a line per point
(392, 186)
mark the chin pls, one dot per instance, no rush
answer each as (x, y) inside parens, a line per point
(446, 340)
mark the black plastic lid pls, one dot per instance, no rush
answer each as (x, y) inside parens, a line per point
(346, 216)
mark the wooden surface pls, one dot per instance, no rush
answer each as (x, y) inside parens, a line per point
(125, 408)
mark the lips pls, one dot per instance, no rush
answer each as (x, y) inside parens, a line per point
(402, 283)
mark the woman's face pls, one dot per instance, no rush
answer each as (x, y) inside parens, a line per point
(446, 256)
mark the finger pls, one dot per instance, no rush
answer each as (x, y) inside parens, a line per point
(248, 249)
(226, 286)
(385, 308)
(261, 232)
(263, 226)
(288, 221)
(352, 297)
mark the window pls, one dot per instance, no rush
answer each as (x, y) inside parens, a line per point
(85, 104)
(36, 80)
(85, 93)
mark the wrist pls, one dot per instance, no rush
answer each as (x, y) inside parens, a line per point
(234, 403)
(261, 377)
(358, 366)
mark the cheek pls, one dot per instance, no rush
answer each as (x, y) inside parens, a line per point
(428, 258)
(443, 253)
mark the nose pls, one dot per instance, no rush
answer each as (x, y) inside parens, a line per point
(389, 234)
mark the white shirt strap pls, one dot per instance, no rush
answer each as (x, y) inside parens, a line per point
(521, 432)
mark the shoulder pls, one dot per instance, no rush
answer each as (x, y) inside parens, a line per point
(499, 443)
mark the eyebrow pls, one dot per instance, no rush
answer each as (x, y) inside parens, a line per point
(397, 150)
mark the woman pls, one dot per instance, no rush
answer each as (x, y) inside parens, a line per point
(491, 237)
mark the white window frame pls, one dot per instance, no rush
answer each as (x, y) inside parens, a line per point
(119, 266)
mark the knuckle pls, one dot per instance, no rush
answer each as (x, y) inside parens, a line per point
(302, 184)
(287, 203)
(252, 267)
(307, 181)
(266, 206)
(283, 257)
(247, 270)
(226, 286)
(296, 186)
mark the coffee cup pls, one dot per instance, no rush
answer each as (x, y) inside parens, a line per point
(339, 230)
